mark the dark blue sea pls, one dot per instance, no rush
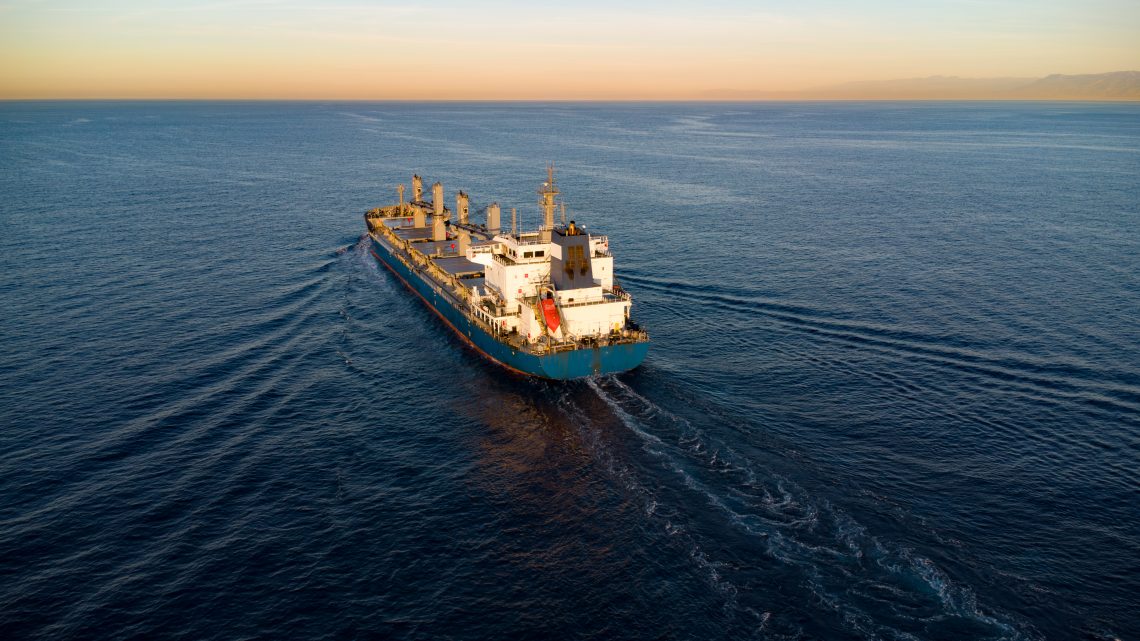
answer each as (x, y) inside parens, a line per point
(893, 392)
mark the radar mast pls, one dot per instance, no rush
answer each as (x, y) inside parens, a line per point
(548, 191)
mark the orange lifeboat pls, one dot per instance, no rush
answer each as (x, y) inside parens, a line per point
(550, 312)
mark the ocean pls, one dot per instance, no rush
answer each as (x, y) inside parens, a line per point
(893, 390)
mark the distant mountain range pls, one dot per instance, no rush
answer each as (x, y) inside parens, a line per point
(1116, 85)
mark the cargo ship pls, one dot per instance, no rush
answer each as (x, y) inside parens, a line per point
(542, 303)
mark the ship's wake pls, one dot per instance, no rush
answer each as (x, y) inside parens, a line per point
(669, 519)
(756, 532)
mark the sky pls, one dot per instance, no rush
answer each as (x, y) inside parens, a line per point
(507, 49)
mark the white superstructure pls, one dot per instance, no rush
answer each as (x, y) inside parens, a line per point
(517, 276)
(564, 264)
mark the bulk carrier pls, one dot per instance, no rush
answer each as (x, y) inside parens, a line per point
(542, 303)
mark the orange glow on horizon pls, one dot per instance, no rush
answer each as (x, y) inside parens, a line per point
(273, 49)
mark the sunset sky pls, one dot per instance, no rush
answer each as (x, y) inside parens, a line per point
(585, 49)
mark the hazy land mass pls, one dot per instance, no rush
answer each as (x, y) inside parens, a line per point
(1115, 85)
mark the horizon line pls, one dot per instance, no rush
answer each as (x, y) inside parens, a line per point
(568, 100)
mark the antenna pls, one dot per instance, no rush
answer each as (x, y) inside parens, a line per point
(514, 227)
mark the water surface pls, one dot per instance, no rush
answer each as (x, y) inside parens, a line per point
(894, 389)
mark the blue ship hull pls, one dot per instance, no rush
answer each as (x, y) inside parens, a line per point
(607, 359)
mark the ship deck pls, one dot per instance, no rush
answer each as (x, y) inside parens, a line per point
(413, 234)
(458, 266)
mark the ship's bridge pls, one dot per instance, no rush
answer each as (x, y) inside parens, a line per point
(523, 248)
